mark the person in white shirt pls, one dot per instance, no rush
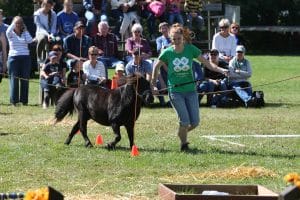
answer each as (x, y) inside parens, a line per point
(224, 41)
(18, 62)
(93, 69)
(45, 20)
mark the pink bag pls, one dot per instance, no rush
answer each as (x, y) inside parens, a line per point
(157, 8)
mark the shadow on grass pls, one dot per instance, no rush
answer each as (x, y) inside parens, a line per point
(195, 151)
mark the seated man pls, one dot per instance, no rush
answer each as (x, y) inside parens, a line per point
(66, 19)
(77, 44)
(108, 46)
(93, 69)
(51, 77)
(212, 80)
(239, 73)
(139, 65)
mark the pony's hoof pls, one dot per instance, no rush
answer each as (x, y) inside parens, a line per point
(110, 146)
(88, 145)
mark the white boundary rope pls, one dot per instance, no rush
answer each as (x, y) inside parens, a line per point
(219, 138)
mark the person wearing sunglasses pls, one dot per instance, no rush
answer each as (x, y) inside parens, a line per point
(137, 42)
(235, 30)
(77, 44)
(212, 80)
(61, 60)
(93, 69)
(240, 71)
(224, 41)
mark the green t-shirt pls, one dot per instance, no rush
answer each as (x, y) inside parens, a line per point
(180, 67)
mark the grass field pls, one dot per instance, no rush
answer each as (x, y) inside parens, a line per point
(33, 155)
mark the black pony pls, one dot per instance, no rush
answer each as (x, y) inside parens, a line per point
(115, 108)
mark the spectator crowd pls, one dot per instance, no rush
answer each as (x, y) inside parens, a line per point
(73, 50)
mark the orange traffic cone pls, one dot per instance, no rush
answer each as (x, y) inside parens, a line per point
(114, 83)
(134, 151)
(99, 139)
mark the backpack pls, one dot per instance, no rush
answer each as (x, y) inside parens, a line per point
(157, 8)
(257, 99)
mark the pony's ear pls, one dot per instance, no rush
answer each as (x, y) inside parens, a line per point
(131, 79)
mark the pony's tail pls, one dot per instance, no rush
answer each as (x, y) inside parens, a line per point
(64, 105)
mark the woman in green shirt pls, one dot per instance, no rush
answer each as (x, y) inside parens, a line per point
(181, 83)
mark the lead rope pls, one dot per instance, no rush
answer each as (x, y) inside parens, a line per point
(135, 105)
(80, 52)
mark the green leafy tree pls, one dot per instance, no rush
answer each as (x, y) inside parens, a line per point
(17, 7)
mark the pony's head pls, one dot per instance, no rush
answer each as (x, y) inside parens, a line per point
(142, 87)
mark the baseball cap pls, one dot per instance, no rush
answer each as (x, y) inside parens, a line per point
(79, 24)
(52, 54)
(240, 48)
(120, 67)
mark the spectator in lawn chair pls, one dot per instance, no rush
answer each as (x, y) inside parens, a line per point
(94, 70)
(107, 45)
(45, 20)
(136, 42)
(125, 12)
(66, 19)
(3, 46)
(224, 41)
(76, 45)
(95, 11)
(240, 71)
(192, 9)
(138, 64)
(18, 62)
(51, 78)
(212, 80)
(76, 77)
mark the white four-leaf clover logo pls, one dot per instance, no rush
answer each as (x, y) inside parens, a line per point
(181, 64)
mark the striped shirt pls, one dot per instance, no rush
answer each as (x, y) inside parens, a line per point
(18, 45)
(193, 6)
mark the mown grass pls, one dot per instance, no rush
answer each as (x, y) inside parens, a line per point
(33, 154)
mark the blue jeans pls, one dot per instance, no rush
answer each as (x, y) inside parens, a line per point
(175, 17)
(186, 107)
(19, 67)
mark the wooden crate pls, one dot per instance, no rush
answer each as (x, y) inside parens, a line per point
(194, 192)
